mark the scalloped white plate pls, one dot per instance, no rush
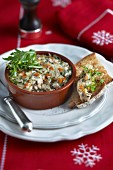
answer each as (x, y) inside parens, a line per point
(61, 123)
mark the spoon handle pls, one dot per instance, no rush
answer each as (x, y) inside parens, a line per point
(22, 119)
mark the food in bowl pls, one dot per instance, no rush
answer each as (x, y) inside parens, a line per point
(39, 80)
(50, 74)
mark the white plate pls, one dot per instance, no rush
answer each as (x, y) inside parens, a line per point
(50, 121)
(57, 117)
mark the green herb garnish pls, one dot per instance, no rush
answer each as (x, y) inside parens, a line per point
(101, 80)
(93, 74)
(22, 60)
(85, 68)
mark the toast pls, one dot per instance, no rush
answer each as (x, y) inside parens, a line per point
(91, 82)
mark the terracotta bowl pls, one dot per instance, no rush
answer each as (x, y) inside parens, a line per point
(42, 100)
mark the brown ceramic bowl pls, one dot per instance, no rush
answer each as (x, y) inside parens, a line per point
(42, 100)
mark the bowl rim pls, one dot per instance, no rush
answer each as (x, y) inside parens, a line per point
(71, 80)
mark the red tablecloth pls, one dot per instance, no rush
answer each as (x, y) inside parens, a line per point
(16, 154)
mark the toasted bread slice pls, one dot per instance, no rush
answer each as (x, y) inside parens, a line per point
(100, 90)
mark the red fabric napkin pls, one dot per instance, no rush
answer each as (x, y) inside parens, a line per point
(91, 23)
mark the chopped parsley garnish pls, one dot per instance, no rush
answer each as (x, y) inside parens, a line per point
(95, 77)
(101, 80)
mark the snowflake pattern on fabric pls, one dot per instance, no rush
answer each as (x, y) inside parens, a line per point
(86, 155)
(102, 38)
(62, 3)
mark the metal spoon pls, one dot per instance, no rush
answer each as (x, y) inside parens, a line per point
(20, 116)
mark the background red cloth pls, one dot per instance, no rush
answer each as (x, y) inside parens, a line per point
(16, 154)
(80, 14)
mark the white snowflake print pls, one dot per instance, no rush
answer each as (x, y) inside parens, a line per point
(62, 3)
(86, 155)
(102, 38)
